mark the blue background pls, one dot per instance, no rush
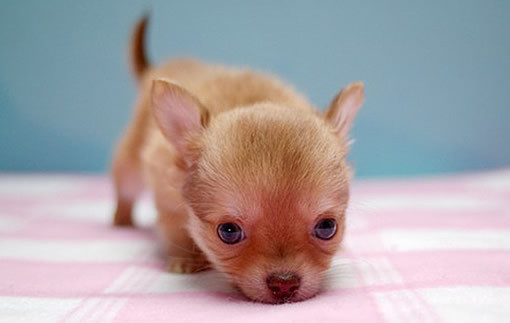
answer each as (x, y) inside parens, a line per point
(437, 74)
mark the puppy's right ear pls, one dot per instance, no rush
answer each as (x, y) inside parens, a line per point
(345, 106)
(179, 115)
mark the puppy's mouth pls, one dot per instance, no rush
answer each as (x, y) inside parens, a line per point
(277, 289)
(293, 298)
(273, 299)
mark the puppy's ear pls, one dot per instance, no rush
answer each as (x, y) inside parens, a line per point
(179, 115)
(344, 107)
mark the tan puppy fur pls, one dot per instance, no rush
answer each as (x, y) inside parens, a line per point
(221, 145)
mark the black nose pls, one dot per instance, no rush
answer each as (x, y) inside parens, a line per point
(283, 286)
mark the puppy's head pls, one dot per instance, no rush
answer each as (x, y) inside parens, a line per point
(267, 185)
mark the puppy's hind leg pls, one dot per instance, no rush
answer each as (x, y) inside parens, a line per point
(126, 170)
(127, 183)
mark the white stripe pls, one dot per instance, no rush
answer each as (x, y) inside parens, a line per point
(77, 251)
(355, 220)
(363, 242)
(145, 212)
(402, 306)
(405, 305)
(90, 210)
(367, 272)
(82, 309)
(341, 274)
(119, 284)
(386, 305)
(105, 310)
(97, 312)
(112, 312)
(452, 304)
(427, 202)
(364, 272)
(391, 273)
(495, 181)
(33, 309)
(10, 223)
(409, 240)
(150, 280)
(36, 186)
(98, 210)
(132, 279)
(419, 307)
(97, 309)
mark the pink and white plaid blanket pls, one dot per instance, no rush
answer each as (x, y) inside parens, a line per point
(420, 250)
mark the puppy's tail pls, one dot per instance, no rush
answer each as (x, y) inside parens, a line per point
(137, 55)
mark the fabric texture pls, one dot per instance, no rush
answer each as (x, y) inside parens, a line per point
(416, 250)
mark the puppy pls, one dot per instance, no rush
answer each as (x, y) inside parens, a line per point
(248, 177)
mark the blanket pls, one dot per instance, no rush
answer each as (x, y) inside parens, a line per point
(430, 249)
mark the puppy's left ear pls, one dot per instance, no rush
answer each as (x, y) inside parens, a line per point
(179, 115)
(344, 107)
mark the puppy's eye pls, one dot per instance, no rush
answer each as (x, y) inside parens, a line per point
(230, 233)
(325, 229)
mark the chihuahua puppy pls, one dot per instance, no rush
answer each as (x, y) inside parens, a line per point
(248, 177)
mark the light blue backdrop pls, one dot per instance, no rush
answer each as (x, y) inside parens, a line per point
(437, 73)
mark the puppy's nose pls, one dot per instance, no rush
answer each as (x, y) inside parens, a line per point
(283, 286)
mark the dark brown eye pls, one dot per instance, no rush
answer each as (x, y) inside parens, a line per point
(325, 229)
(230, 233)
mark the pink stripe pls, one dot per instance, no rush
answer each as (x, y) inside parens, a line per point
(439, 268)
(27, 278)
(451, 268)
(209, 307)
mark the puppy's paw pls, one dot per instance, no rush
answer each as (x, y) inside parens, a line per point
(122, 221)
(123, 216)
(179, 266)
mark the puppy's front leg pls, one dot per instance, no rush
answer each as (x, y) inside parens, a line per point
(183, 254)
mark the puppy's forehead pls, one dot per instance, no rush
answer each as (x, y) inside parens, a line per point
(271, 143)
(264, 163)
